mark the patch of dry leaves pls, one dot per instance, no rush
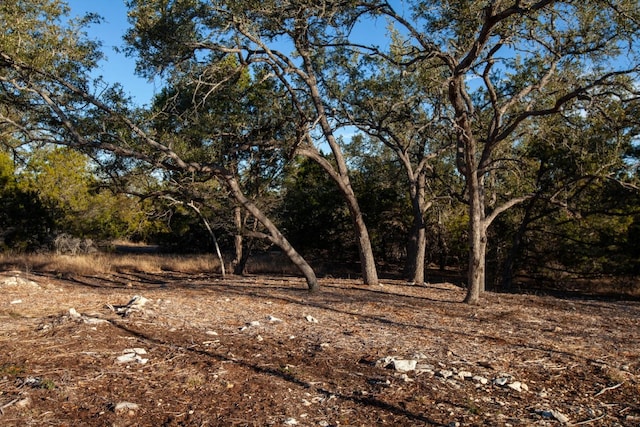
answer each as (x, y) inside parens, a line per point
(208, 366)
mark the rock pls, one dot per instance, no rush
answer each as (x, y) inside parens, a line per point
(136, 350)
(464, 375)
(553, 414)
(212, 333)
(129, 407)
(135, 304)
(273, 319)
(23, 403)
(480, 379)
(311, 319)
(291, 422)
(252, 324)
(444, 373)
(384, 362)
(517, 386)
(131, 355)
(74, 314)
(17, 281)
(16, 301)
(404, 365)
(501, 381)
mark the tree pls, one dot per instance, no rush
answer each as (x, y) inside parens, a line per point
(170, 34)
(579, 166)
(62, 110)
(511, 63)
(402, 107)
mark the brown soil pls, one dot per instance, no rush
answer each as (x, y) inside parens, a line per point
(207, 366)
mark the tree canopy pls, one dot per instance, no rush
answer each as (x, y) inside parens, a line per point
(504, 129)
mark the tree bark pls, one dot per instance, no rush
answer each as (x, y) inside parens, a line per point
(477, 242)
(417, 245)
(467, 164)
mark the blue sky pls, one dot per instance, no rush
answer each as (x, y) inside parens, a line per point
(116, 68)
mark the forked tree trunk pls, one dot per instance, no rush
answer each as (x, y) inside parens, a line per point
(467, 164)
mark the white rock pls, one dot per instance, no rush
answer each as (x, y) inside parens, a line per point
(133, 355)
(126, 406)
(136, 350)
(444, 373)
(74, 314)
(404, 365)
(465, 375)
(127, 358)
(311, 319)
(16, 301)
(255, 323)
(291, 422)
(23, 403)
(516, 385)
(384, 362)
(559, 416)
(213, 333)
(481, 380)
(273, 319)
(18, 281)
(138, 301)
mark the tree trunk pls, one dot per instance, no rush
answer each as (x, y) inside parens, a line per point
(416, 249)
(365, 251)
(477, 241)
(238, 268)
(274, 234)
(341, 175)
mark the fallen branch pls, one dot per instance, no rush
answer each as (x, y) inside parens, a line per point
(613, 387)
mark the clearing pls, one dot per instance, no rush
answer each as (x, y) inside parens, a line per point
(199, 350)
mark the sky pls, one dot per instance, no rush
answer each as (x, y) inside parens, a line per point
(116, 68)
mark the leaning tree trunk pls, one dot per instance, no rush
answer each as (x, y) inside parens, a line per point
(274, 234)
(365, 251)
(341, 176)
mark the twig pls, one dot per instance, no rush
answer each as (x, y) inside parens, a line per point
(7, 405)
(613, 387)
(588, 421)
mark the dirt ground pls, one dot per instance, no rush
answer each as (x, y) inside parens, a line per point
(260, 351)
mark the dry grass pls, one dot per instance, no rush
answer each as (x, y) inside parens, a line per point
(105, 263)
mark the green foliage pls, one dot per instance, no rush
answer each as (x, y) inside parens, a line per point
(64, 182)
(313, 213)
(25, 223)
